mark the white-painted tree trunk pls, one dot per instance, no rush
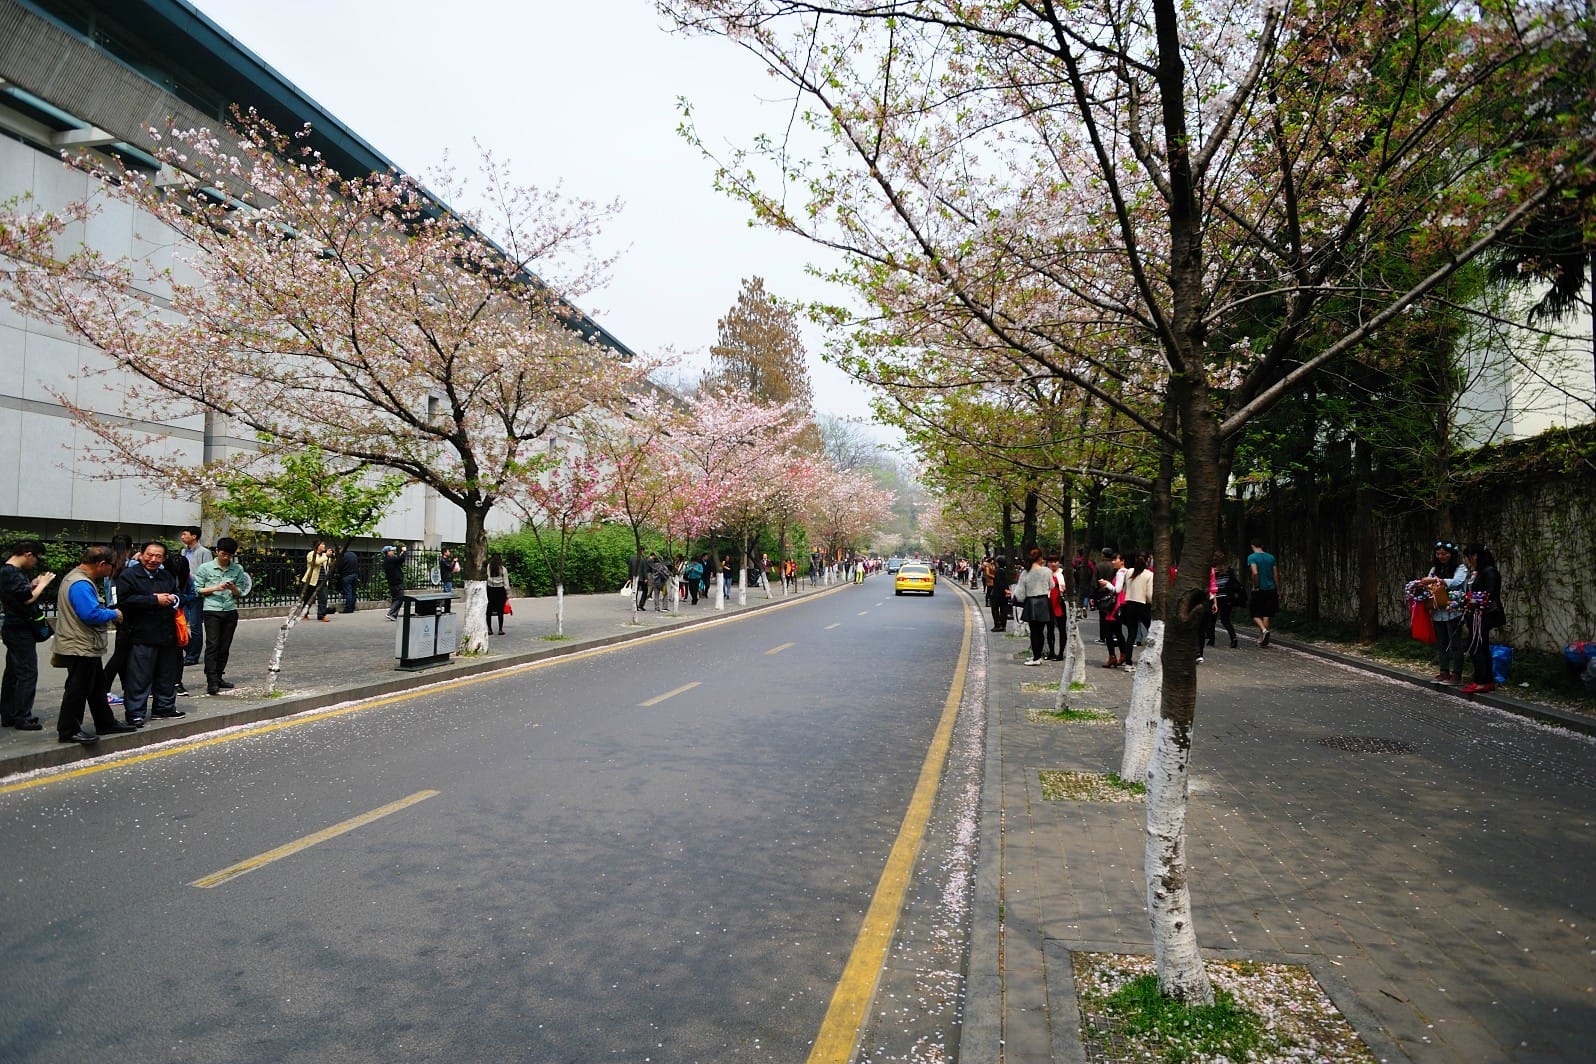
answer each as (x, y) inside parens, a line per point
(764, 578)
(275, 665)
(474, 618)
(1178, 961)
(720, 592)
(1141, 719)
(559, 609)
(742, 585)
(1074, 659)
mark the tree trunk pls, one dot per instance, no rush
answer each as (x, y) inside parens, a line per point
(295, 615)
(1074, 659)
(1311, 548)
(1028, 533)
(474, 624)
(1066, 518)
(1141, 718)
(1008, 531)
(1363, 537)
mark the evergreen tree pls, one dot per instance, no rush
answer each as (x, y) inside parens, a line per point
(759, 353)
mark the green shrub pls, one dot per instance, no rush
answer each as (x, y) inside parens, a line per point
(596, 560)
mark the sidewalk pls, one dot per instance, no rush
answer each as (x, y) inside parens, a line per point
(350, 657)
(1439, 892)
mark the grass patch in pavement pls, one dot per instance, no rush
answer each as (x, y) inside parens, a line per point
(1070, 716)
(1060, 786)
(1039, 686)
(1261, 1013)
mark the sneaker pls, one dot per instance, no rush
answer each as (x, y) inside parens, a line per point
(1453, 681)
(1034, 661)
(224, 685)
(1442, 678)
(179, 689)
(1199, 659)
(115, 700)
(1264, 641)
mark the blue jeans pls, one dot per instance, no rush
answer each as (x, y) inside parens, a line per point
(196, 632)
(348, 581)
(21, 680)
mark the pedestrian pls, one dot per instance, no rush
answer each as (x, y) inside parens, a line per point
(1265, 600)
(1482, 611)
(448, 566)
(222, 582)
(196, 554)
(122, 555)
(1110, 599)
(149, 599)
(349, 577)
(1033, 593)
(725, 576)
(1085, 573)
(993, 592)
(694, 576)
(316, 580)
(187, 596)
(1137, 611)
(1228, 594)
(1059, 601)
(498, 590)
(1447, 574)
(393, 570)
(658, 578)
(81, 623)
(19, 598)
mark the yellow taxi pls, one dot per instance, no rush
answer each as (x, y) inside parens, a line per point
(914, 576)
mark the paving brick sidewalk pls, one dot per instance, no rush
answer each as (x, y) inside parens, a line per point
(1441, 894)
(351, 656)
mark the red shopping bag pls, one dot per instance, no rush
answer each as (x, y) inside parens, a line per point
(1422, 626)
(508, 612)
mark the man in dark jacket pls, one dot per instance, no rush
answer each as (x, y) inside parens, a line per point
(393, 568)
(348, 577)
(147, 595)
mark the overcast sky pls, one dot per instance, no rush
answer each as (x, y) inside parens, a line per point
(580, 92)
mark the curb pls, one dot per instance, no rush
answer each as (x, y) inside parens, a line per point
(275, 709)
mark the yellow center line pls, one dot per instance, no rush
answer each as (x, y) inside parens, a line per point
(850, 1002)
(359, 705)
(657, 699)
(778, 650)
(289, 849)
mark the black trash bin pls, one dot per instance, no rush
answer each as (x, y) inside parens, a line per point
(427, 635)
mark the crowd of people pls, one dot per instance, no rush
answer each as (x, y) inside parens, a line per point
(169, 609)
(1118, 586)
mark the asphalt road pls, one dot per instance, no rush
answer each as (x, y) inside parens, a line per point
(594, 878)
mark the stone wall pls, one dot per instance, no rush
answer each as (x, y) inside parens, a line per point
(1541, 527)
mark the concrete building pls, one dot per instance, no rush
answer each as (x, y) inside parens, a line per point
(97, 75)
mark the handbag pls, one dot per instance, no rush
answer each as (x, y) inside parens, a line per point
(58, 661)
(1421, 625)
(508, 612)
(182, 629)
(41, 629)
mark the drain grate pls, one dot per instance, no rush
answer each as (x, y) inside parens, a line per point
(1367, 744)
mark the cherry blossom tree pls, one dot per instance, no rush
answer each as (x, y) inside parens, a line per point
(1173, 202)
(557, 503)
(357, 313)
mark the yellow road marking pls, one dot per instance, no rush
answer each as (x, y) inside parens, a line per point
(289, 849)
(657, 699)
(311, 716)
(845, 1017)
(829, 627)
(778, 650)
